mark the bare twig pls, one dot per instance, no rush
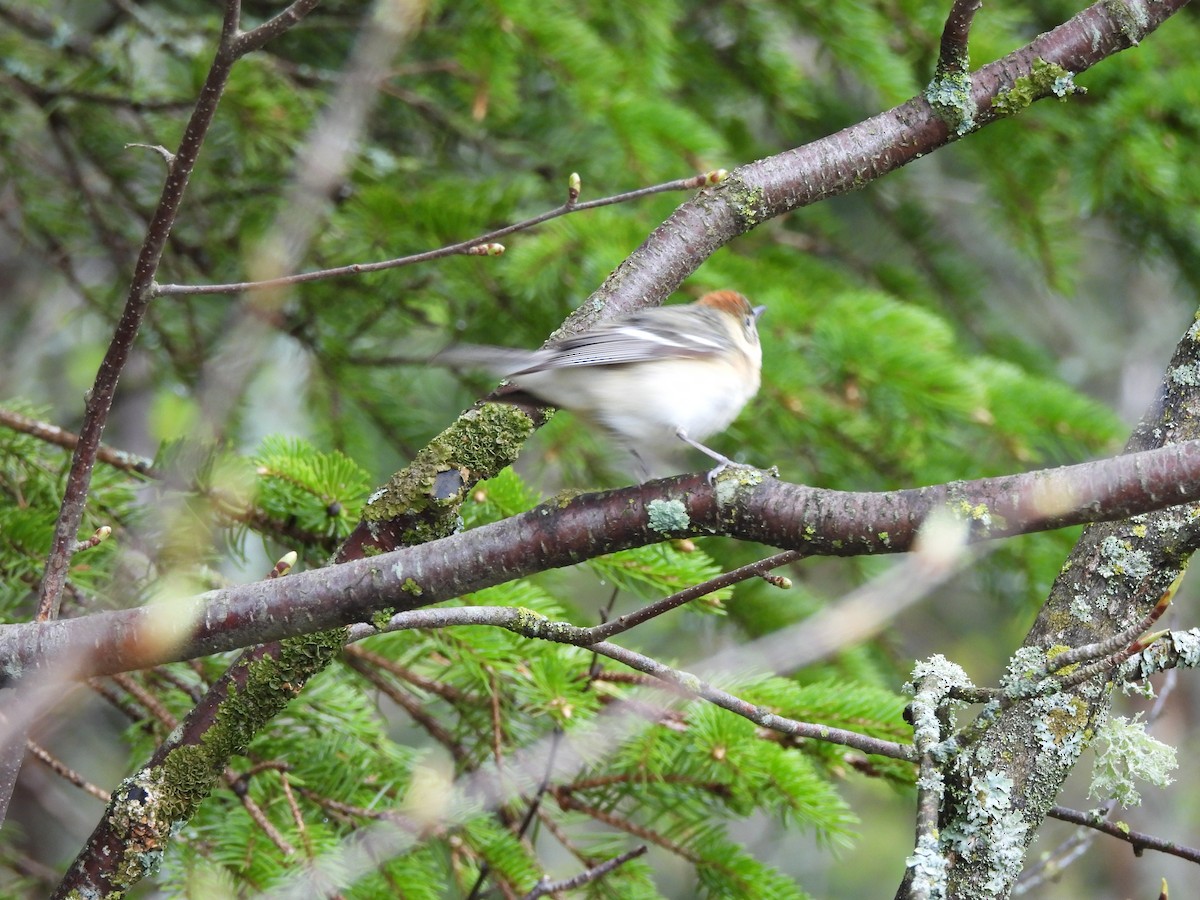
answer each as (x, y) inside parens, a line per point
(1140, 840)
(657, 608)
(60, 437)
(1121, 641)
(231, 46)
(528, 624)
(411, 705)
(238, 785)
(44, 756)
(470, 246)
(621, 823)
(545, 886)
(98, 537)
(953, 56)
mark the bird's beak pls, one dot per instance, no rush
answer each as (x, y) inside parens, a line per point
(758, 311)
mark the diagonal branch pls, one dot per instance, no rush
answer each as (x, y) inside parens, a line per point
(862, 153)
(1109, 586)
(468, 246)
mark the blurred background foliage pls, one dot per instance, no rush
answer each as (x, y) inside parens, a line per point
(1004, 304)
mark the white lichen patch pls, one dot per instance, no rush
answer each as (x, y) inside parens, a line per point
(991, 831)
(1118, 557)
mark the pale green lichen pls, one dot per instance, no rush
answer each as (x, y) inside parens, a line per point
(1026, 668)
(950, 96)
(730, 483)
(1081, 607)
(1044, 80)
(1119, 558)
(667, 516)
(990, 831)
(1187, 375)
(1059, 723)
(482, 442)
(1131, 19)
(929, 866)
(1129, 753)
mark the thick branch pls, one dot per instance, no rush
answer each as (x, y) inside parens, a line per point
(741, 504)
(1110, 584)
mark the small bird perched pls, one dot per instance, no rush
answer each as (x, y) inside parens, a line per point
(649, 379)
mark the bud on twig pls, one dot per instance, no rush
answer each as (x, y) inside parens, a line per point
(284, 565)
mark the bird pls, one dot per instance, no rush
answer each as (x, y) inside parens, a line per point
(649, 379)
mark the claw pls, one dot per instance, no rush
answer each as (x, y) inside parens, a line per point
(718, 469)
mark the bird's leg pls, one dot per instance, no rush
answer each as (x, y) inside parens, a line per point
(723, 462)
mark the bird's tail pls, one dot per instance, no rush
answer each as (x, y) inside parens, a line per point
(499, 361)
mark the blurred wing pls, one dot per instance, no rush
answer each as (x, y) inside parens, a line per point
(638, 338)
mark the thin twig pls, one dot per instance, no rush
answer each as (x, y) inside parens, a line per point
(657, 608)
(100, 397)
(297, 815)
(1140, 840)
(545, 886)
(239, 786)
(60, 437)
(230, 508)
(461, 247)
(529, 624)
(255, 38)
(570, 802)
(1120, 641)
(44, 756)
(1105, 656)
(1176, 649)
(415, 709)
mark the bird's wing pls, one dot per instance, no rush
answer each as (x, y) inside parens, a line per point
(638, 338)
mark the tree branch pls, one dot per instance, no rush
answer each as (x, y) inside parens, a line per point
(231, 46)
(1140, 840)
(469, 246)
(858, 155)
(1110, 584)
(953, 55)
(742, 504)
(427, 496)
(546, 886)
(60, 437)
(531, 625)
